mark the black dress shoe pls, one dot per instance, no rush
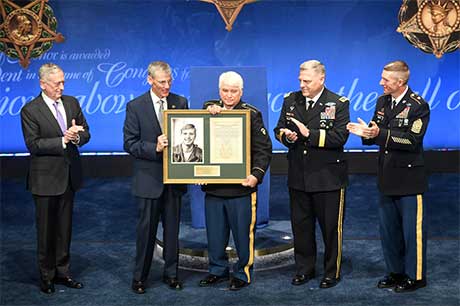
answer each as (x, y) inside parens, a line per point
(236, 284)
(46, 286)
(173, 283)
(138, 287)
(391, 280)
(301, 279)
(329, 282)
(68, 282)
(211, 280)
(410, 285)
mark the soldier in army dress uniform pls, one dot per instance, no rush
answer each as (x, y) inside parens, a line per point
(232, 207)
(312, 125)
(398, 126)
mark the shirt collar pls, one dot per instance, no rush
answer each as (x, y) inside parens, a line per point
(155, 98)
(48, 100)
(399, 98)
(315, 98)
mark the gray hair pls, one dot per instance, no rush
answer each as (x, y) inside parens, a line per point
(47, 69)
(231, 78)
(314, 65)
(158, 66)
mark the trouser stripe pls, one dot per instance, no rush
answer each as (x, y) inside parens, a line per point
(339, 231)
(419, 233)
(251, 235)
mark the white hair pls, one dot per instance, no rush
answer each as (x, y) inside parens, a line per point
(47, 69)
(231, 78)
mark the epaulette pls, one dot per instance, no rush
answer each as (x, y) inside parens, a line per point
(287, 94)
(212, 102)
(343, 99)
(249, 106)
(416, 98)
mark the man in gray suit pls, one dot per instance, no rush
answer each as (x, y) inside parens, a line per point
(145, 141)
(54, 127)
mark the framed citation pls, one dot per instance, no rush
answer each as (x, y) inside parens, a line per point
(205, 148)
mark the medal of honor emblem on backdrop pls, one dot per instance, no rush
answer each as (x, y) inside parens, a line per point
(433, 26)
(27, 31)
(229, 10)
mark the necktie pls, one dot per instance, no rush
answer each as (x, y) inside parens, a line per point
(310, 104)
(160, 113)
(393, 104)
(60, 118)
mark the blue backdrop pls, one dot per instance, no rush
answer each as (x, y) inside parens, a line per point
(110, 43)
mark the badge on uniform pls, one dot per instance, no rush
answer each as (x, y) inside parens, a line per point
(263, 131)
(330, 111)
(289, 116)
(417, 126)
(404, 113)
(380, 115)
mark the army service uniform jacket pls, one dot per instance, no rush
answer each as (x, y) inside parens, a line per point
(316, 163)
(261, 153)
(401, 166)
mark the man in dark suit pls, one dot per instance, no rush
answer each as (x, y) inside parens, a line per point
(233, 206)
(312, 125)
(145, 141)
(54, 127)
(398, 126)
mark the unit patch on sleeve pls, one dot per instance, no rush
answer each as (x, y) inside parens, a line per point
(417, 126)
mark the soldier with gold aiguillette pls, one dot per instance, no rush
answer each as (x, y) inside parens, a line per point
(398, 126)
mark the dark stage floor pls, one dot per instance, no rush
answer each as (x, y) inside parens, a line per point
(103, 248)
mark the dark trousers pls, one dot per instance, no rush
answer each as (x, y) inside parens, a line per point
(53, 216)
(239, 216)
(167, 207)
(403, 234)
(328, 208)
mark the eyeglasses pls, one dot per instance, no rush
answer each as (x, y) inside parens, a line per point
(163, 83)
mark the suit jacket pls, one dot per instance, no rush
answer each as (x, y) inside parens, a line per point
(261, 154)
(401, 166)
(51, 166)
(140, 132)
(316, 163)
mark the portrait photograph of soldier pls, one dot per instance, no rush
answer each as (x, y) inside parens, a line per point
(188, 140)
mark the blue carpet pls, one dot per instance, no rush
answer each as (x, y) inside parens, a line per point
(103, 248)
